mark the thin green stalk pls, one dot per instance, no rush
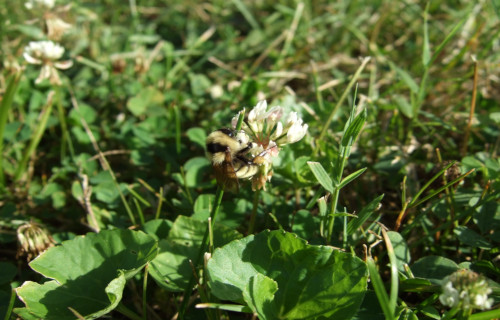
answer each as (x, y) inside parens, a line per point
(37, 136)
(144, 291)
(331, 217)
(344, 232)
(335, 198)
(203, 246)
(434, 193)
(139, 211)
(160, 202)
(256, 197)
(65, 137)
(11, 305)
(204, 243)
(5, 106)
(177, 117)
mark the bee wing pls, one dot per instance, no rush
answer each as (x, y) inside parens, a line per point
(226, 175)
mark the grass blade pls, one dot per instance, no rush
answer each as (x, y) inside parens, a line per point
(4, 111)
(363, 215)
(426, 51)
(394, 272)
(37, 136)
(378, 286)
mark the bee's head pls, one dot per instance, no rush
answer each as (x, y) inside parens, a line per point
(223, 141)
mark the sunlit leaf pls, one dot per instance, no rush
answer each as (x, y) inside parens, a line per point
(312, 281)
(89, 274)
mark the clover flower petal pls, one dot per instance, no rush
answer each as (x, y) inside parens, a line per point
(296, 132)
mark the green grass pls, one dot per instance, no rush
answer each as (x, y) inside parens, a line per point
(402, 103)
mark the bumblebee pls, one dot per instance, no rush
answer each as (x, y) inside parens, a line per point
(229, 153)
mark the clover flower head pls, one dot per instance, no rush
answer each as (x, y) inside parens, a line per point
(31, 4)
(56, 27)
(46, 53)
(38, 51)
(33, 239)
(467, 290)
(267, 131)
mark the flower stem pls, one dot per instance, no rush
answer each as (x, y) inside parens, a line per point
(251, 225)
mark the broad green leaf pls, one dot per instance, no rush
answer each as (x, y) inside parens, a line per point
(259, 295)
(471, 238)
(400, 249)
(487, 219)
(30, 30)
(202, 206)
(171, 268)
(313, 282)
(433, 268)
(321, 175)
(363, 215)
(197, 136)
(158, 228)
(89, 274)
(495, 117)
(146, 98)
(305, 224)
(301, 171)
(199, 84)
(195, 169)
(84, 112)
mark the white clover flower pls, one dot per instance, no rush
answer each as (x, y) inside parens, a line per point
(31, 4)
(216, 91)
(38, 51)
(266, 130)
(467, 290)
(46, 53)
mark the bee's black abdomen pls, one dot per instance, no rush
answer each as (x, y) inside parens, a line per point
(227, 131)
(215, 147)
